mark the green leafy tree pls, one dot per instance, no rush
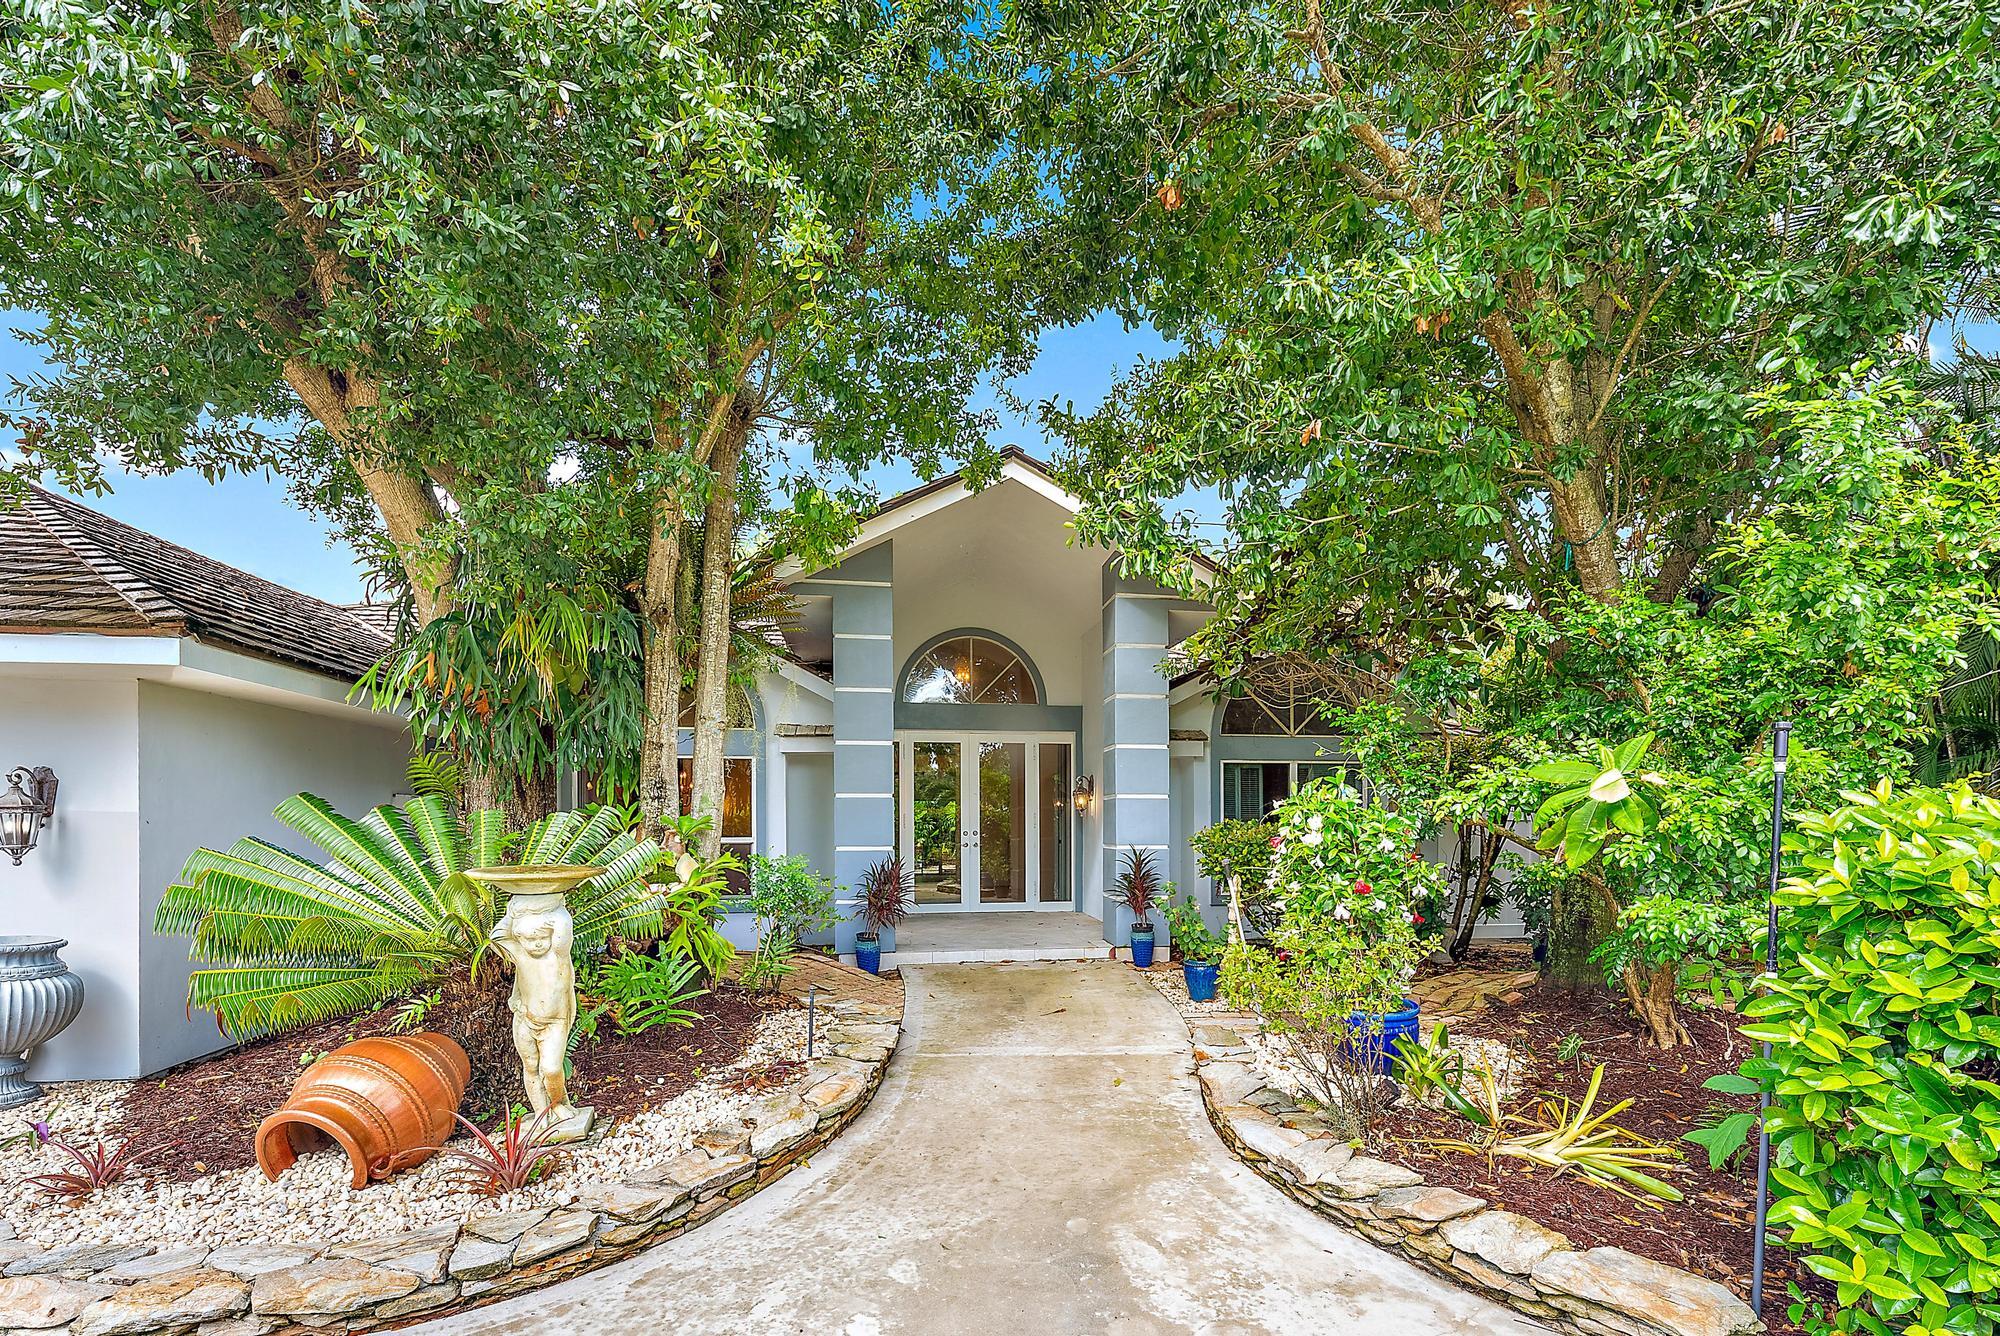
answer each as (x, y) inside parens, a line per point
(1472, 302)
(517, 282)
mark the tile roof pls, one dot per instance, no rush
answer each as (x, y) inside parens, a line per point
(64, 567)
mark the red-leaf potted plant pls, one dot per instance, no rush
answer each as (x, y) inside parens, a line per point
(1138, 889)
(886, 892)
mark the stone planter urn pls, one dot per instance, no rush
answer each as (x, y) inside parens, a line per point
(536, 934)
(39, 997)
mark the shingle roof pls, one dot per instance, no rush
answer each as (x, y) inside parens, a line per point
(64, 567)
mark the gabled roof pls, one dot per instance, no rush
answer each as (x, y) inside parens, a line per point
(1016, 465)
(64, 567)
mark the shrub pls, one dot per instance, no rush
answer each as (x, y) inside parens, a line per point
(1884, 1025)
(789, 900)
(1319, 973)
(1191, 936)
(1242, 850)
(386, 911)
(643, 992)
(511, 1159)
(1338, 860)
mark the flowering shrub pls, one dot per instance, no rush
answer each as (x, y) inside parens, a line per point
(1338, 860)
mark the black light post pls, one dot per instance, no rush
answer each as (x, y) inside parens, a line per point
(1781, 733)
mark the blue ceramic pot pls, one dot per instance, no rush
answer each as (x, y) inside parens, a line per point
(1376, 1038)
(1142, 948)
(868, 953)
(1200, 976)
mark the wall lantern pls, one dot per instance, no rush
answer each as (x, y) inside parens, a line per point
(1085, 788)
(30, 800)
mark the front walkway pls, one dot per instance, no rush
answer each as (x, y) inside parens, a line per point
(1037, 1161)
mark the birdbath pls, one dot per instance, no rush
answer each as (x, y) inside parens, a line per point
(535, 934)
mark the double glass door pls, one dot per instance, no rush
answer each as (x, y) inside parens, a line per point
(983, 820)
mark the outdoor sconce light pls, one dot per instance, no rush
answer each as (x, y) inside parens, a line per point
(22, 813)
(1085, 788)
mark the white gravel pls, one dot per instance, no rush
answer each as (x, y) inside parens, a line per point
(312, 1204)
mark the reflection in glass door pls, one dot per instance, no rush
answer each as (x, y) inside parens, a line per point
(1001, 836)
(938, 843)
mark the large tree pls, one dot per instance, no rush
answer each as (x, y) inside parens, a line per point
(514, 274)
(1471, 300)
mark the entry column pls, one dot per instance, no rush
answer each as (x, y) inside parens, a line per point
(864, 727)
(1134, 790)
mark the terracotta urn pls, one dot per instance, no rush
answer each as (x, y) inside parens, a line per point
(39, 997)
(387, 1101)
(536, 934)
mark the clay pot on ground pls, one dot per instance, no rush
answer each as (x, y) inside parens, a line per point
(387, 1101)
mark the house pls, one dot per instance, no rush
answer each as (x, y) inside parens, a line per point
(972, 691)
(175, 699)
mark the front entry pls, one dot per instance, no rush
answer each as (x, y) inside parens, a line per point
(984, 819)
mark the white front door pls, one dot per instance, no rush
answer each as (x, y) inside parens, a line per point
(983, 820)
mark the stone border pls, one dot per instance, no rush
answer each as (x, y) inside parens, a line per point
(1507, 1257)
(279, 1290)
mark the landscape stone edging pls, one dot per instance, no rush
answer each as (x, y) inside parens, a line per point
(1508, 1257)
(287, 1290)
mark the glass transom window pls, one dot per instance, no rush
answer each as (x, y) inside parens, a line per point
(969, 670)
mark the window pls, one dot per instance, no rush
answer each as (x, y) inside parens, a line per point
(969, 670)
(1251, 789)
(739, 812)
(740, 713)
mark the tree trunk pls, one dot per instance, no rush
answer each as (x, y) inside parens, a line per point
(1578, 921)
(1489, 854)
(659, 750)
(1652, 998)
(711, 687)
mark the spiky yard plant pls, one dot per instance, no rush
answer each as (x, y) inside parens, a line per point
(1138, 885)
(98, 1166)
(886, 893)
(387, 912)
(509, 1160)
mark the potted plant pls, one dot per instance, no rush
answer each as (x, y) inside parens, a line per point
(886, 892)
(1138, 889)
(1200, 950)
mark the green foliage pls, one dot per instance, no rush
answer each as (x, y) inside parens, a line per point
(386, 910)
(1310, 982)
(1575, 1139)
(1728, 1131)
(1884, 1022)
(1339, 860)
(1239, 850)
(1598, 800)
(1189, 930)
(647, 991)
(788, 897)
(1429, 1068)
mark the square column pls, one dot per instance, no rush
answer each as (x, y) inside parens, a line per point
(864, 727)
(1134, 787)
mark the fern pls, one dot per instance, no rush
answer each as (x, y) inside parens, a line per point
(285, 940)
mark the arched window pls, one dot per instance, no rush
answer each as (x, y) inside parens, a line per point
(969, 670)
(740, 713)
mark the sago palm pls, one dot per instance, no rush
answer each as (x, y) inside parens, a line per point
(288, 940)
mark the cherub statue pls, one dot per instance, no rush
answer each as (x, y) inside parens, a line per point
(537, 940)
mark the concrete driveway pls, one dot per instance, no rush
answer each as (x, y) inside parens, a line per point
(1037, 1162)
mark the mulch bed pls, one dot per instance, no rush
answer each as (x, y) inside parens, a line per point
(212, 1106)
(1708, 1233)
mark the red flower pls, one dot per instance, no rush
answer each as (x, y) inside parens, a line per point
(1417, 918)
(1277, 841)
(1362, 888)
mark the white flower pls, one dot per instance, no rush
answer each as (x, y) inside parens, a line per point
(1314, 838)
(1388, 844)
(1316, 821)
(1340, 912)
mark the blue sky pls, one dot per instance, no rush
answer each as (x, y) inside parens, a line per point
(249, 522)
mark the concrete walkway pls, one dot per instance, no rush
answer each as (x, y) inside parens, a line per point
(1036, 1162)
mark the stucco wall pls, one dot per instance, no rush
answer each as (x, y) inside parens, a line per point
(210, 769)
(82, 881)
